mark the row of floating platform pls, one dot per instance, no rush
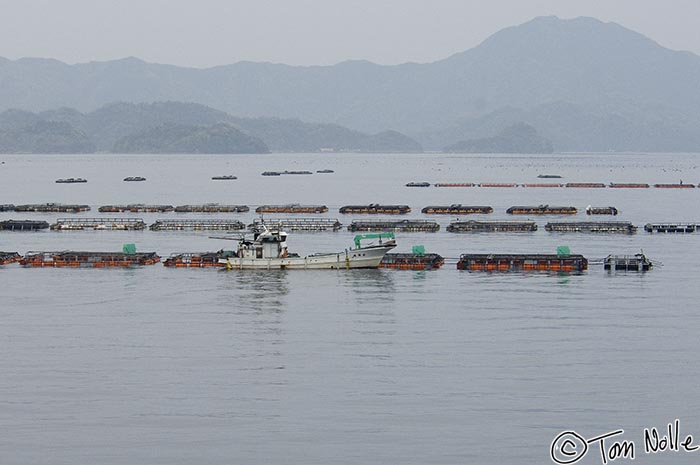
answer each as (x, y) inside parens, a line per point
(144, 208)
(204, 208)
(459, 209)
(389, 225)
(82, 180)
(491, 226)
(571, 185)
(23, 225)
(197, 225)
(589, 185)
(226, 177)
(575, 185)
(46, 208)
(453, 209)
(374, 209)
(507, 262)
(333, 224)
(107, 224)
(541, 210)
(407, 261)
(213, 208)
(567, 263)
(456, 209)
(88, 259)
(620, 227)
(302, 224)
(302, 172)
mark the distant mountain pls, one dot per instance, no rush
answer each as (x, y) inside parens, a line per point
(389, 141)
(291, 135)
(125, 127)
(44, 137)
(174, 138)
(606, 73)
(518, 138)
(573, 128)
(16, 119)
(109, 123)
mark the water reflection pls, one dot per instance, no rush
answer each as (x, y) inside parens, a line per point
(258, 299)
(372, 319)
(259, 290)
(368, 286)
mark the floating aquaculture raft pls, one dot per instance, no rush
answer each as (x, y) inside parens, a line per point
(375, 208)
(543, 185)
(492, 226)
(292, 208)
(456, 209)
(498, 184)
(9, 257)
(193, 260)
(407, 261)
(301, 224)
(637, 262)
(197, 225)
(671, 227)
(674, 186)
(81, 224)
(629, 185)
(88, 259)
(23, 225)
(52, 208)
(601, 210)
(585, 185)
(212, 208)
(279, 173)
(454, 184)
(542, 210)
(394, 225)
(135, 208)
(521, 262)
(418, 184)
(621, 227)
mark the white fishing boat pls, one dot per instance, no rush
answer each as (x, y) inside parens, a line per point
(268, 250)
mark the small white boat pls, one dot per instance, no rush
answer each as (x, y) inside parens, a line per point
(268, 251)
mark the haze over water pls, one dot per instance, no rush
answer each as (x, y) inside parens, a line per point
(155, 365)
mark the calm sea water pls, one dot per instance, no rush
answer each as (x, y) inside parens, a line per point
(183, 366)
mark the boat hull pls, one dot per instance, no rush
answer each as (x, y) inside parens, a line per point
(366, 257)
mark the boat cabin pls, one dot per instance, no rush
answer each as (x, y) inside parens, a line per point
(265, 244)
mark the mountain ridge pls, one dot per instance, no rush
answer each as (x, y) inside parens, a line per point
(601, 68)
(162, 127)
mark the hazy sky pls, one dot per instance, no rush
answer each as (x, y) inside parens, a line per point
(210, 32)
